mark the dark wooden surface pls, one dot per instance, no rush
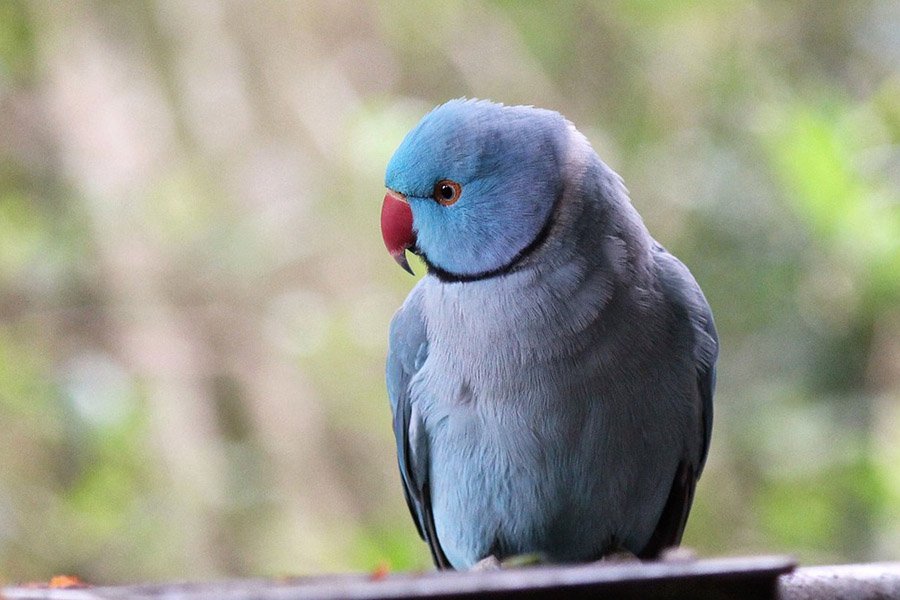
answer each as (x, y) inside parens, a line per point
(715, 579)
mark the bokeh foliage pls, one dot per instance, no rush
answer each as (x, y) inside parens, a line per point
(194, 299)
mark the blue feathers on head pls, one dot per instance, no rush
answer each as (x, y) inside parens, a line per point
(506, 160)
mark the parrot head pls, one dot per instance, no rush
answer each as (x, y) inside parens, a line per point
(472, 187)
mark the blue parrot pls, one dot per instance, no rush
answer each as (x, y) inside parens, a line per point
(551, 378)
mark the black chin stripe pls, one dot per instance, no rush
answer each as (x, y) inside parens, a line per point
(449, 277)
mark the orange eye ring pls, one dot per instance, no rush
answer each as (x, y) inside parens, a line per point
(447, 192)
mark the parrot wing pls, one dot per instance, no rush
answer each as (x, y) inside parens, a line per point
(408, 351)
(687, 302)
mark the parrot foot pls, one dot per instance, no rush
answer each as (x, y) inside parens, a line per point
(492, 563)
(488, 563)
(619, 556)
(678, 554)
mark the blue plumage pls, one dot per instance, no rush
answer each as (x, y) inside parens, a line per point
(551, 379)
(507, 171)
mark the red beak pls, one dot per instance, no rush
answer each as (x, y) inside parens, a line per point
(396, 227)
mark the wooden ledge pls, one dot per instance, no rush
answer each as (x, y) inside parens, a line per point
(749, 578)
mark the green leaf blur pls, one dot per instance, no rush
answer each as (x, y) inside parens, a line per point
(194, 296)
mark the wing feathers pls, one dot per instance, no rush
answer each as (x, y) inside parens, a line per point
(687, 301)
(407, 353)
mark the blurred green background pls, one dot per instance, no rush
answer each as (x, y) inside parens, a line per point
(194, 295)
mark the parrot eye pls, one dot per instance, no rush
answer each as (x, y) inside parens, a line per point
(447, 192)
